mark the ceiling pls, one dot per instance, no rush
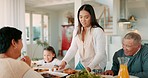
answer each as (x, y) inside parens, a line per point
(63, 4)
(49, 4)
(52, 4)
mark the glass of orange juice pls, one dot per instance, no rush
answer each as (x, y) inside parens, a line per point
(123, 71)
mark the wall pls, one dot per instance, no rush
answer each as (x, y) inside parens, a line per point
(54, 30)
(34, 51)
(139, 9)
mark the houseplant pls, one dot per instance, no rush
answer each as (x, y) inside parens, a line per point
(39, 43)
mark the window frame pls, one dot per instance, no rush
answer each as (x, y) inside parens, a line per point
(31, 41)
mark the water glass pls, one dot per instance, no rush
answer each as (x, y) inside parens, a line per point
(98, 71)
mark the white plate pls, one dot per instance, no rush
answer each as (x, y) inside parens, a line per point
(104, 76)
(40, 68)
(107, 76)
(59, 74)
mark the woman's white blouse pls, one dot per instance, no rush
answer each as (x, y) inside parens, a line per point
(92, 50)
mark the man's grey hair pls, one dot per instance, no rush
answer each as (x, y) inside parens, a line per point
(132, 35)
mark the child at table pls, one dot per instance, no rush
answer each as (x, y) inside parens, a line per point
(49, 58)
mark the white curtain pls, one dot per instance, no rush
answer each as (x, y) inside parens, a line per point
(12, 13)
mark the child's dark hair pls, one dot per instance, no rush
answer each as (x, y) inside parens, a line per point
(50, 48)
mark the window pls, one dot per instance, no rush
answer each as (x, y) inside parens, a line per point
(27, 22)
(36, 27)
(45, 27)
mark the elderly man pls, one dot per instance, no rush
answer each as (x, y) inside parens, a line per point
(138, 54)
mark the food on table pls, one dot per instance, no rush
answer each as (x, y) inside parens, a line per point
(47, 75)
(41, 70)
(84, 74)
(55, 68)
(69, 71)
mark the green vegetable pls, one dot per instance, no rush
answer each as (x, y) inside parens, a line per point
(84, 74)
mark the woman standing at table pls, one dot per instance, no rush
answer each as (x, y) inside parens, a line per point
(88, 40)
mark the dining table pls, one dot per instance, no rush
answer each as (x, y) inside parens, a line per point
(50, 73)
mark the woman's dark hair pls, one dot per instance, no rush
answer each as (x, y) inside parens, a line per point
(7, 34)
(50, 48)
(90, 10)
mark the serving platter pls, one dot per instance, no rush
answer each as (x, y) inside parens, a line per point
(108, 76)
(58, 74)
(48, 72)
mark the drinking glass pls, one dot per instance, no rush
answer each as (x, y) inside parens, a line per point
(123, 71)
(98, 71)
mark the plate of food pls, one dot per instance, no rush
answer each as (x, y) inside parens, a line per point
(47, 75)
(40, 69)
(69, 71)
(83, 74)
(49, 72)
(53, 73)
(59, 74)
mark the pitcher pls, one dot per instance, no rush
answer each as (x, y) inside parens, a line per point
(123, 71)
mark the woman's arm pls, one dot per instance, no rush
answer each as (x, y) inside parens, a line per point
(71, 51)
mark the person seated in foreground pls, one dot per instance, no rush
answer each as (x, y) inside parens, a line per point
(138, 54)
(49, 58)
(10, 50)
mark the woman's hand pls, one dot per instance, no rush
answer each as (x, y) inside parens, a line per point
(27, 60)
(62, 65)
(88, 69)
(108, 72)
